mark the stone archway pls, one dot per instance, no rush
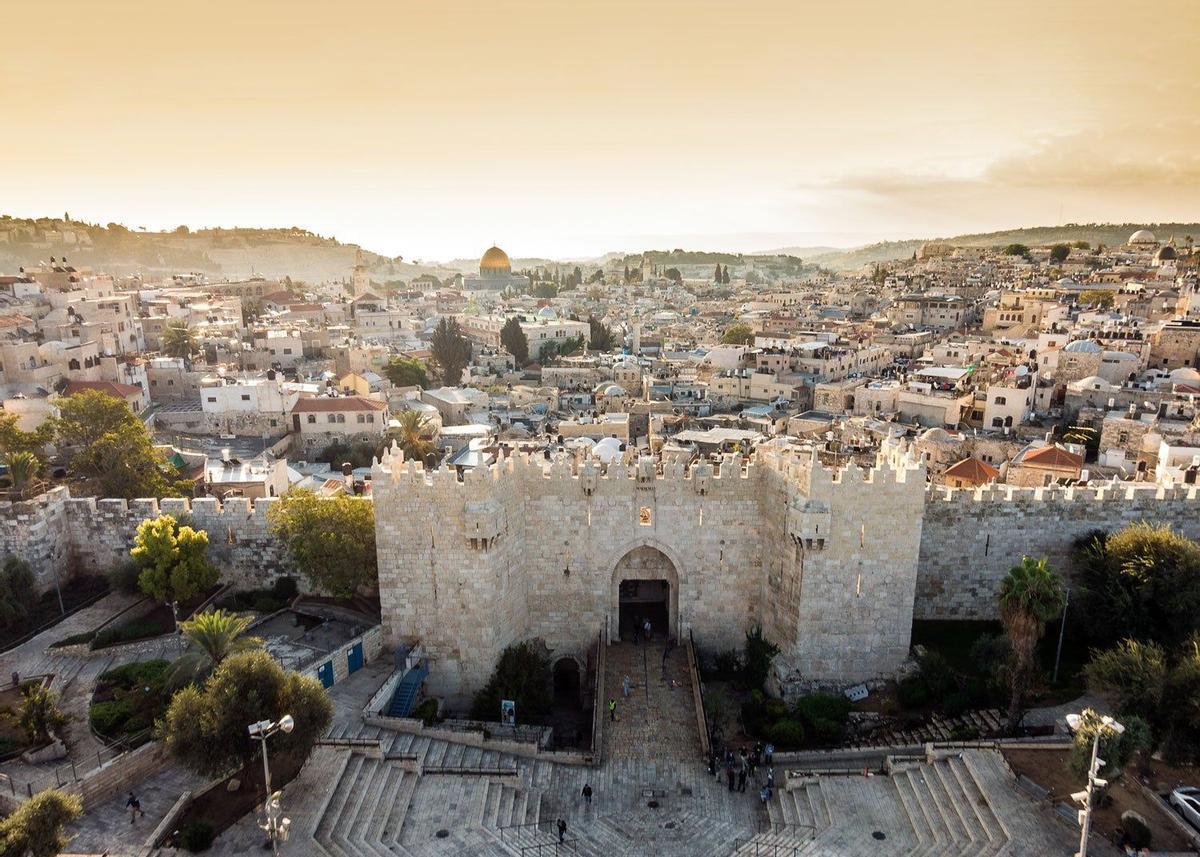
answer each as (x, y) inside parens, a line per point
(645, 585)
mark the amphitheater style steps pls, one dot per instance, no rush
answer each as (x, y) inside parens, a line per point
(366, 815)
(511, 813)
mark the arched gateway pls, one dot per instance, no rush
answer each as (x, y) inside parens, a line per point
(645, 585)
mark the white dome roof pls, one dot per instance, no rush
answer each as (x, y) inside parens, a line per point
(1185, 375)
(626, 364)
(1093, 382)
(614, 390)
(547, 312)
(934, 435)
(1083, 346)
(1143, 236)
(608, 449)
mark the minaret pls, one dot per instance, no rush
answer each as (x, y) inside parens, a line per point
(360, 282)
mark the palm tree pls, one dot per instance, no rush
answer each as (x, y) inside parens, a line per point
(178, 340)
(213, 637)
(23, 468)
(414, 435)
(1030, 596)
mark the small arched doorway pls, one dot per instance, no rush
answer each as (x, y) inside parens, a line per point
(645, 588)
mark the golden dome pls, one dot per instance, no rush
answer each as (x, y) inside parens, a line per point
(494, 261)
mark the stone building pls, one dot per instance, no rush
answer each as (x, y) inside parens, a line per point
(562, 551)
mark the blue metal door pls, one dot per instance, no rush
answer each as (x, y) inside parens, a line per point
(354, 658)
(325, 674)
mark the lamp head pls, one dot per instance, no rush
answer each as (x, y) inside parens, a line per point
(1074, 721)
(287, 723)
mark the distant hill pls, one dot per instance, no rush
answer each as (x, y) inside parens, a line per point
(232, 253)
(1109, 234)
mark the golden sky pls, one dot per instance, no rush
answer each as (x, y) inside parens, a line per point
(431, 129)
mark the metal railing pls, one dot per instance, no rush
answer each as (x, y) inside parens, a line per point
(748, 847)
(74, 772)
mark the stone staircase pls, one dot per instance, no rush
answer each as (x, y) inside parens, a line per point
(798, 816)
(367, 810)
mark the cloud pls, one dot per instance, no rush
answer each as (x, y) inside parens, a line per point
(1151, 157)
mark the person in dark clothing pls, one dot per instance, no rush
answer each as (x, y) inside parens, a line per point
(742, 780)
(562, 830)
(587, 794)
(729, 776)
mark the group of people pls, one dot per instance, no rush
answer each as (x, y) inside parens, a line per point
(742, 767)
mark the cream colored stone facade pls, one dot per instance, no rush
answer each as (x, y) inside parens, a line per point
(825, 562)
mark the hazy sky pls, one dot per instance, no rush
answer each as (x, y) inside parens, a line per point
(433, 128)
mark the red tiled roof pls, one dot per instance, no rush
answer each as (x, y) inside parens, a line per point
(325, 404)
(113, 388)
(1053, 456)
(972, 470)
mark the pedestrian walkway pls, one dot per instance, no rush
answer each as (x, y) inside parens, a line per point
(658, 718)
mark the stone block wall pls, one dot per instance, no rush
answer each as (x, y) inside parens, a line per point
(58, 534)
(972, 537)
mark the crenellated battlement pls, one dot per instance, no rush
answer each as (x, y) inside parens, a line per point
(1111, 492)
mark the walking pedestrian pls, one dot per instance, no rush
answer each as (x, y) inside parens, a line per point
(742, 780)
(764, 795)
(769, 754)
(636, 628)
(625, 686)
(646, 629)
(612, 710)
(770, 778)
(587, 794)
(729, 776)
(16, 677)
(562, 830)
(134, 806)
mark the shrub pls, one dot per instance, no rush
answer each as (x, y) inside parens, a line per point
(109, 718)
(912, 692)
(522, 674)
(727, 664)
(937, 675)
(1136, 830)
(956, 703)
(124, 577)
(824, 715)
(758, 654)
(197, 835)
(426, 712)
(786, 734)
(137, 673)
(134, 629)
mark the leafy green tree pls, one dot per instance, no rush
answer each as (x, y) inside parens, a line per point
(205, 727)
(1100, 297)
(1141, 582)
(38, 715)
(600, 335)
(173, 559)
(18, 591)
(717, 275)
(673, 274)
(35, 829)
(522, 674)
(1116, 750)
(14, 439)
(331, 541)
(738, 334)
(213, 636)
(756, 659)
(111, 450)
(513, 338)
(545, 290)
(179, 341)
(1030, 596)
(725, 276)
(1059, 253)
(1015, 250)
(1161, 687)
(451, 350)
(407, 372)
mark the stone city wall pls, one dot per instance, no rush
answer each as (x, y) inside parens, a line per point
(972, 537)
(60, 535)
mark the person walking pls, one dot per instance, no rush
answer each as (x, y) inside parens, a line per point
(612, 710)
(729, 776)
(134, 806)
(770, 778)
(769, 754)
(562, 830)
(764, 795)
(741, 780)
(625, 686)
(646, 629)
(587, 794)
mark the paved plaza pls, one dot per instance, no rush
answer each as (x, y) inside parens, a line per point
(652, 794)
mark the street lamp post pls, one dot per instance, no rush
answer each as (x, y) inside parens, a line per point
(1075, 722)
(276, 827)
